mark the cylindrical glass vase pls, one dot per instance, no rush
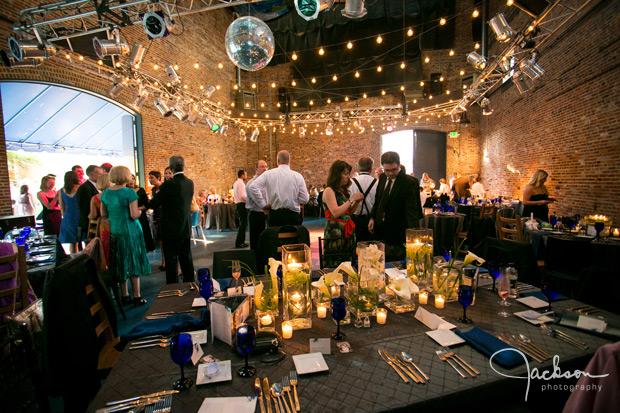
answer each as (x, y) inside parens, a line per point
(420, 257)
(363, 293)
(297, 274)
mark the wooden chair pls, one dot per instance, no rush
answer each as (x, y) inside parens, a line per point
(93, 228)
(272, 239)
(487, 211)
(508, 228)
(20, 285)
(286, 238)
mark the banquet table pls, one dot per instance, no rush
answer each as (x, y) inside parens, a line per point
(361, 381)
(221, 217)
(445, 226)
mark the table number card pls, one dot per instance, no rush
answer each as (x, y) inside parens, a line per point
(226, 314)
(320, 345)
(197, 354)
(592, 324)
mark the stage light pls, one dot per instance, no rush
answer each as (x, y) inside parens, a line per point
(242, 136)
(499, 25)
(161, 105)
(485, 104)
(354, 9)
(115, 90)
(139, 99)
(110, 47)
(223, 129)
(389, 127)
(137, 53)
(12, 62)
(476, 60)
(523, 82)
(194, 115)
(172, 74)
(329, 130)
(178, 111)
(208, 91)
(30, 49)
(155, 25)
(254, 136)
(532, 69)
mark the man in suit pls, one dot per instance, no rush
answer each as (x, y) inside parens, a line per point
(175, 197)
(84, 194)
(397, 207)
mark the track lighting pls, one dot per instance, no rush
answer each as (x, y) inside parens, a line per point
(499, 25)
(30, 49)
(162, 106)
(476, 60)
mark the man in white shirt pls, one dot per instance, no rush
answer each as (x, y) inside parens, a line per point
(257, 218)
(454, 176)
(477, 189)
(239, 193)
(286, 191)
(366, 184)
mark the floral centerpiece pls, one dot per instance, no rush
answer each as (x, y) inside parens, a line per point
(297, 269)
(364, 287)
(447, 277)
(420, 257)
(403, 291)
(321, 289)
(265, 296)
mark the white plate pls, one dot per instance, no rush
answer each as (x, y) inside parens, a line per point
(445, 338)
(223, 373)
(542, 319)
(309, 363)
(533, 302)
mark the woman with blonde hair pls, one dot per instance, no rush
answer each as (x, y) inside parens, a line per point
(49, 199)
(536, 197)
(120, 205)
(103, 183)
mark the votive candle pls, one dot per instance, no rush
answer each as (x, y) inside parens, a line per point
(616, 232)
(287, 329)
(381, 315)
(321, 310)
(423, 297)
(439, 301)
(266, 320)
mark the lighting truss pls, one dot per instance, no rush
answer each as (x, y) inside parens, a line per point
(547, 25)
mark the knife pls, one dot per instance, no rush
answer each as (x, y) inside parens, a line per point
(267, 394)
(259, 394)
(166, 344)
(147, 396)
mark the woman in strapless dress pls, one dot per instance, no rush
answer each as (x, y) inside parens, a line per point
(536, 197)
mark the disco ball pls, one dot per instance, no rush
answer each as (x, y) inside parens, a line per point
(249, 43)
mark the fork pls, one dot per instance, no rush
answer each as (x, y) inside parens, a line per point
(158, 406)
(167, 404)
(442, 357)
(286, 387)
(294, 384)
(465, 365)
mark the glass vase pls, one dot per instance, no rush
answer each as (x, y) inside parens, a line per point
(446, 281)
(420, 257)
(266, 320)
(363, 292)
(297, 274)
(401, 298)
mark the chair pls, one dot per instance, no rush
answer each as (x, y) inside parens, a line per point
(341, 249)
(93, 228)
(196, 227)
(567, 261)
(272, 239)
(509, 228)
(19, 286)
(506, 251)
(487, 211)
(222, 262)
(111, 280)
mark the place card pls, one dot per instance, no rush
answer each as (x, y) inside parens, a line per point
(432, 321)
(199, 337)
(249, 290)
(216, 285)
(532, 318)
(226, 314)
(445, 338)
(592, 324)
(197, 354)
(228, 405)
(320, 345)
(199, 302)
(395, 273)
(533, 302)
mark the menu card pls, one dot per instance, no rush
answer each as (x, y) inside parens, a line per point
(432, 321)
(226, 314)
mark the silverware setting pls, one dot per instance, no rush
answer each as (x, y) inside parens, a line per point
(585, 310)
(560, 335)
(165, 314)
(294, 384)
(407, 358)
(160, 344)
(159, 404)
(464, 365)
(173, 293)
(276, 393)
(391, 363)
(443, 357)
(525, 345)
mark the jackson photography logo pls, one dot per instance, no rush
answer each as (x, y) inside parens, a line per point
(546, 375)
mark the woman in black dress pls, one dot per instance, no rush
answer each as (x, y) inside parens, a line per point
(536, 197)
(49, 199)
(143, 199)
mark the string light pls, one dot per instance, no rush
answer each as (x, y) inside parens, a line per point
(379, 39)
(422, 83)
(357, 74)
(329, 101)
(253, 85)
(293, 83)
(334, 78)
(476, 13)
(294, 56)
(477, 46)
(427, 59)
(273, 85)
(379, 68)
(462, 72)
(442, 21)
(402, 65)
(349, 45)
(321, 51)
(313, 80)
(155, 66)
(346, 98)
(410, 32)
(451, 52)
(383, 92)
(364, 95)
(176, 67)
(196, 66)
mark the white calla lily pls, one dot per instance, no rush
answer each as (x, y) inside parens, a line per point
(258, 290)
(320, 284)
(404, 288)
(471, 257)
(347, 268)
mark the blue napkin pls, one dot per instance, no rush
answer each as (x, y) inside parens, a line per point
(488, 345)
(174, 324)
(540, 295)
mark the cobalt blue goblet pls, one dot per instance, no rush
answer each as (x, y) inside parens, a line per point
(181, 349)
(339, 312)
(205, 283)
(246, 342)
(495, 273)
(550, 291)
(466, 297)
(599, 226)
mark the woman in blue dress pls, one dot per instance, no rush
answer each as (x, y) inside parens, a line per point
(120, 206)
(70, 211)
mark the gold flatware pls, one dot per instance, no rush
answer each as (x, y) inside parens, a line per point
(520, 346)
(564, 337)
(442, 357)
(147, 396)
(259, 394)
(528, 342)
(294, 384)
(286, 386)
(405, 368)
(409, 359)
(388, 361)
(267, 394)
(466, 366)
(166, 344)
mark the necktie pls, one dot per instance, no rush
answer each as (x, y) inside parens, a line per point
(383, 201)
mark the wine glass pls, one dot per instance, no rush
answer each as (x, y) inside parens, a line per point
(550, 290)
(205, 283)
(181, 349)
(447, 253)
(246, 342)
(466, 296)
(599, 226)
(493, 272)
(339, 311)
(236, 272)
(503, 291)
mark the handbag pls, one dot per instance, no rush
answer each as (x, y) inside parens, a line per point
(32, 316)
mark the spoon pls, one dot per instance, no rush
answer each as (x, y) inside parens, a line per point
(276, 389)
(409, 359)
(526, 340)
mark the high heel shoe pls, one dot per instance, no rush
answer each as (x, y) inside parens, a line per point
(138, 301)
(126, 300)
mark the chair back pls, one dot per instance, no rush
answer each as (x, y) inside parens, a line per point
(509, 228)
(13, 281)
(93, 228)
(567, 256)
(195, 218)
(222, 262)
(506, 251)
(272, 239)
(487, 211)
(333, 251)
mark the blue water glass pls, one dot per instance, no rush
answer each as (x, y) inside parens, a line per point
(21, 241)
(447, 254)
(553, 220)
(245, 343)
(495, 273)
(338, 307)
(181, 349)
(206, 286)
(550, 291)
(599, 226)
(465, 295)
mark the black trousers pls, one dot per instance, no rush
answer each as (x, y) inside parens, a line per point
(258, 222)
(178, 251)
(242, 216)
(361, 228)
(283, 216)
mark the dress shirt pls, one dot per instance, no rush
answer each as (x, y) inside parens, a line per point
(451, 184)
(444, 189)
(285, 189)
(365, 180)
(94, 184)
(477, 190)
(239, 191)
(250, 203)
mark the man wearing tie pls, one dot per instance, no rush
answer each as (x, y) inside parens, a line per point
(397, 207)
(84, 194)
(175, 197)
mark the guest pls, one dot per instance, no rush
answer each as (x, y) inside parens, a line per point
(167, 174)
(444, 189)
(397, 207)
(204, 207)
(155, 181)
(84, 195)
(103, 183)
(536, 197)
(120, 205)
(106, 167)
(240, 195)
(286, 191)
(477, 189)
(214, 197)
(427, 184)
(26, 202)
(80, 173)
(365, 184)
(257, 218)
(338, 207)
(378, 172)
(70, 211)
(423, 197)
(175, 198)
(51, 210)
(143, 200)
(454, 177)
(460, 187)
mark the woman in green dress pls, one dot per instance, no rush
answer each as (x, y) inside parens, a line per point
(120, 205)
(338, 207)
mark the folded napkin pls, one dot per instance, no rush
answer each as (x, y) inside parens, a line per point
(540, 295)
(177, 323)
(488, 345)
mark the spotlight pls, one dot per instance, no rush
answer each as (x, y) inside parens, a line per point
(178, 111)
(115, 90)
(459, 117)
(309, 9)
(506, 64)
(499, 25)
(389, 127)
(485, 104)
(354, 9)
(155, 25)
(476, 60)
(12, 62)
(531, 69)
(209, 90)
(223, 129)
(172, 74)
(110, 47)
(329, 130)
(242, 136)
(524, 83)
(139, 99)
(254, 136)
(137, 53)
(162, 106)
(194, 115)
(30, 49)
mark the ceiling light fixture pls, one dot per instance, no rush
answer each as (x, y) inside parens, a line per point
(30, 49)
(476, 60)
(499, 25)
(110, 47)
